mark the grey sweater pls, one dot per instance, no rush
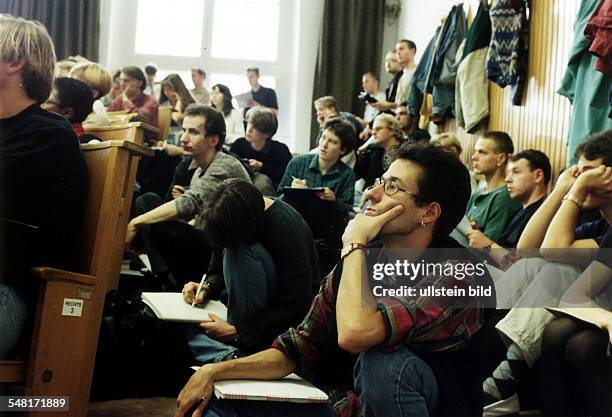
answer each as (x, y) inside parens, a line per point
(204, 181)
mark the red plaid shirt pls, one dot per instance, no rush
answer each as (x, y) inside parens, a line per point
(420, 324)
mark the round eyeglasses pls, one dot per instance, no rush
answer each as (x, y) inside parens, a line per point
(390, 187)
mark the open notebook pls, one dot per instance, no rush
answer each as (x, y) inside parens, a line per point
(170, 306)
(291, 388)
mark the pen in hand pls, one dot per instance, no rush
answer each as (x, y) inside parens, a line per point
(198, 291)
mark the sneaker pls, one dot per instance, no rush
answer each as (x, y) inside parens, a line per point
(508, 406)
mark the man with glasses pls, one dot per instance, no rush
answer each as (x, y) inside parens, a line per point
(396, 356)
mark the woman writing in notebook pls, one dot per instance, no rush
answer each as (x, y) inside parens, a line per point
(265, 259)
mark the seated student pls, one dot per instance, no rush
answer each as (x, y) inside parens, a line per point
(177, 245)
(327, 109)
(115, 90)
(132, 98)
(43, 175)
(266, 260)
(535, 282)
(410, 125)
(174, 94)
(180, 180)
(400, 357)
(491, 209)
(373, 161)
(74, 100)
(99, 80)
(450, 142)
(526, 181)
(267, 158)
(575, 377)
(221, 99)
(96, 77)
(326, 213)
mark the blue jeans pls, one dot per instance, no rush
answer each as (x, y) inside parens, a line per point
(395, 383)
(250, 280)
(247, 408)
(13, 314)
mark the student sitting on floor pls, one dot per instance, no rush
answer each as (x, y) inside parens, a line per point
(526, 180)
(326, 212)
(266, 157)
(575, 369)
(264, 256)
(401, 356)
(174, 245)
(533, 283)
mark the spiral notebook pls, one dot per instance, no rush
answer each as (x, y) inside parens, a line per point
(291, 388)
(171, 306)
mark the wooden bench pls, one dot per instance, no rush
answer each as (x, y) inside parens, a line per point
(63, 347)
(164, 120)
(134, 131)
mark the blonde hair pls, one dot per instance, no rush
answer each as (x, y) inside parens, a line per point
(92, 74)
(390, 122)
(326, 102)
(30, 41)
(447, 141)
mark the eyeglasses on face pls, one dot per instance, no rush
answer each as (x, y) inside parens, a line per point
(391, 187)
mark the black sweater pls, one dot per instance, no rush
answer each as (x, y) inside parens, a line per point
(275, 157)
(289, 241)
(44, 183)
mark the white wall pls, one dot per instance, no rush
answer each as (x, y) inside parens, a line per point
(419, 19)
(300, 29)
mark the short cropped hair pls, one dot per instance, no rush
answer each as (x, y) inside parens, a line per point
(444, 179)
(409, 43)
(75, 94)
(536, 160)
(344, 130)
(234, 215)
(253, 69)
(136, 73)
(447, 141)
(502, 140)
(263, 120)
(30, 41)
(214, 124)
(150, 69)
(199, 71)
(371, 74)
(92, 74)
(326, 102)
(598, 145)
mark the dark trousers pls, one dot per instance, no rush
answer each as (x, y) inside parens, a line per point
(173, 247)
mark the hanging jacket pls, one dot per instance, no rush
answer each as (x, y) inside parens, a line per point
(599, 30)
(507, 55)
(586, 88)
(419, 78)
(471, 86)
(441, 80)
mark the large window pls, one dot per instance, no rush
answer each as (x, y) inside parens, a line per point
(223, 37)
(245, 29)
(169, 28)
